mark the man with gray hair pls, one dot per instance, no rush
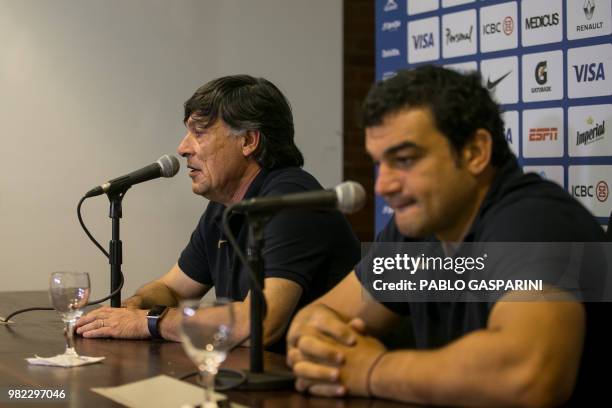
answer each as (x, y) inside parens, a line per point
(239, 145)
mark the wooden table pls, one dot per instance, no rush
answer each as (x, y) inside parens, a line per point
(40, 332)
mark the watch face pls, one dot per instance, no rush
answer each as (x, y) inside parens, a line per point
(156, 310)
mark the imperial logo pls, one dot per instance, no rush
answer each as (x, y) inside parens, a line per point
(543, 134)
(459, 37)
(546, 20)
(422, 41)
(391, 25)
(589, 9)
(390, 52)
(590, 72)
(595, 133)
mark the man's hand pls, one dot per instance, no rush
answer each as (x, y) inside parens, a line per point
(119, 323)
(317, 320)
(328, 367)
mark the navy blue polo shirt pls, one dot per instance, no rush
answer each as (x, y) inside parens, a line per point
(517, 208)
(314, 249)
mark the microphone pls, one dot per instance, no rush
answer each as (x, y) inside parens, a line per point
(348, 197)
(165, 166)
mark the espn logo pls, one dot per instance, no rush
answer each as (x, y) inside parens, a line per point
(543, 134)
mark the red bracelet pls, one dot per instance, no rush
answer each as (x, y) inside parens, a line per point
(371, 370)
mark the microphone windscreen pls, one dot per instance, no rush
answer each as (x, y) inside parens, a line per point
(169, 165)
(351, 196)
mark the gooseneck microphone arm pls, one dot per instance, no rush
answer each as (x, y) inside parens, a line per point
(165, 166)
(347, 197)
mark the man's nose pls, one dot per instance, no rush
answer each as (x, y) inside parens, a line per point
(185, 147)
(387, 181)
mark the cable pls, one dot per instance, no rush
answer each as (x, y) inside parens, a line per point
(97, 244)
(242, 377)
(29, 309)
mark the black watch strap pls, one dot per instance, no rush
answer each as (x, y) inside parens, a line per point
(154, 318)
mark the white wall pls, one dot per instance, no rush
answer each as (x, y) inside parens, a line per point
(93, 89)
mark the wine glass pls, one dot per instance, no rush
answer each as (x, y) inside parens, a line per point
(206, 327)
(69, 293)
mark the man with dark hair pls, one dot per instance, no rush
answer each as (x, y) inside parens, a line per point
(239, 145)
(446, 170)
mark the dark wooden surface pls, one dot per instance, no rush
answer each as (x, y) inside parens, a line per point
(40, 332)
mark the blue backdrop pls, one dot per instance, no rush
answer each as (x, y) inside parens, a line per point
(548, 64)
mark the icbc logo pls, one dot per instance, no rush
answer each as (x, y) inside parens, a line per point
(508, 25)
(601, 191)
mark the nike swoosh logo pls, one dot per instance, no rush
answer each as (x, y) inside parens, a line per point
(493, 84)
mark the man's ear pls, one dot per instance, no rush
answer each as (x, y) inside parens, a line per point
(250, 142)
(477, 152)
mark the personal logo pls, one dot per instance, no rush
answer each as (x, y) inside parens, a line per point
(545, 20)
(492, 84)
(594, 133)
(390, 6)
(590, 72)
(601, 191)
(459, 37)
(422, 41)
(589, 8)
(543, 134)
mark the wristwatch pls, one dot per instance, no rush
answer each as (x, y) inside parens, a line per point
(154, 318)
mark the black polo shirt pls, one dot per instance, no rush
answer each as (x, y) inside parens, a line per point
(314, 249)
(517, 208)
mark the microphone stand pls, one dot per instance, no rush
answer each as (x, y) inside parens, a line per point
(257, 379)
(255, 245)
(115, 247)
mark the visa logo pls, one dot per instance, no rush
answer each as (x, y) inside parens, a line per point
(423, 40)
(589, 72)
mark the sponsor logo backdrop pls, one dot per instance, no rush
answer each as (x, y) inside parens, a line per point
(548, 64)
